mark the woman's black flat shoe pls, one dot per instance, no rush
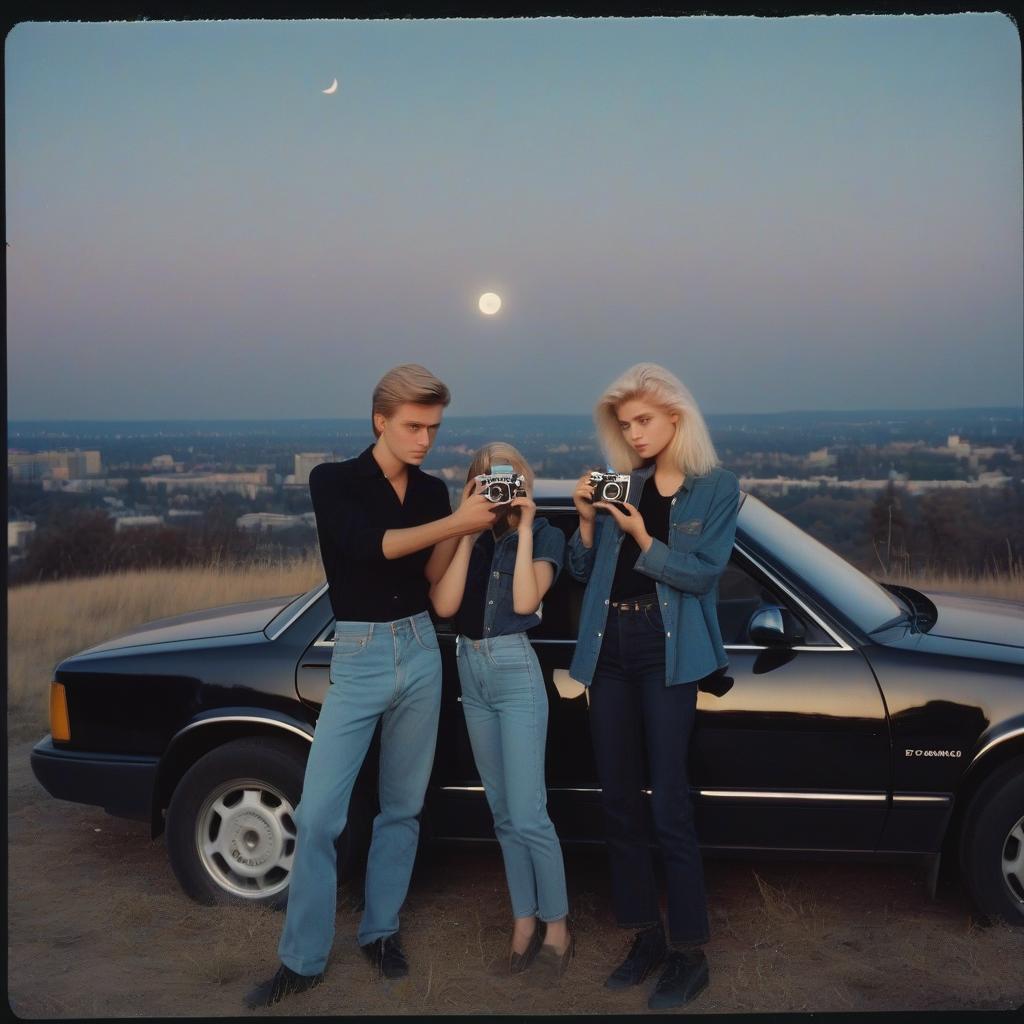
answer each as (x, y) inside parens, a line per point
(551, 964)
(518, 962)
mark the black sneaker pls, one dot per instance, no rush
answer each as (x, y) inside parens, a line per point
(285, 983)
(684, 978)
(387, 956)
(647, 951)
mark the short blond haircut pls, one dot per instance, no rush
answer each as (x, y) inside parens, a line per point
(409, 382)
(691, 446)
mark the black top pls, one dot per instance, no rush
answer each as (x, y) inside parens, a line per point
(469, 619)
(355, 506)
(655, 511)
(488, 601)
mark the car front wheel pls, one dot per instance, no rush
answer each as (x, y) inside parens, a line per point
(230, 824)
(993, 849)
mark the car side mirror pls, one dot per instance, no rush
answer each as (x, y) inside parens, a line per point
(775, 627)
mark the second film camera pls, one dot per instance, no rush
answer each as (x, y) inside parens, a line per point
(613, 487)
(501, 485)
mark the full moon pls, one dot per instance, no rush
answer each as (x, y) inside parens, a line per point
(490, 303)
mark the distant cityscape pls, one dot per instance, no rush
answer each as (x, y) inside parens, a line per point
(171, 474)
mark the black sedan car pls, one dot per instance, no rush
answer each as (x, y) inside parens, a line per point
(854, 720)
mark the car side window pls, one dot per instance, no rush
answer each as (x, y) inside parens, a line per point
(742, 591)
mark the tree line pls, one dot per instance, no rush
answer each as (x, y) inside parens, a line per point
(964, 532)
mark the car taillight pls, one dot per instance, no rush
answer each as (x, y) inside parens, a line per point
(60, 724)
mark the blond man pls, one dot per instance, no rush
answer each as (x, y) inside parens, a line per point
(386, 533)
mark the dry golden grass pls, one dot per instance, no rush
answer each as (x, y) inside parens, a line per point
(49, 621)
(1007, 585)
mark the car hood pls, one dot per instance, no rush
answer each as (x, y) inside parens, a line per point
(227, 620)
(984, 620)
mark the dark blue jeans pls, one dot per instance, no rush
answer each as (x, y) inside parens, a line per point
(632, 710)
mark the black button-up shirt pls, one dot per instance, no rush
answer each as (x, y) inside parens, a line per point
(355, 505)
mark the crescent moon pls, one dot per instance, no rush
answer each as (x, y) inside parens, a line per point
(332, 89)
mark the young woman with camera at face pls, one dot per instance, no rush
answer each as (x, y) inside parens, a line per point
(648, 632)
(493, 589)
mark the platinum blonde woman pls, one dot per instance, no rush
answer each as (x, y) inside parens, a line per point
(648, 632)
(493, 588)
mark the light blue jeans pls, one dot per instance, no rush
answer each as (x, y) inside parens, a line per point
(506, 708)
(379, 670)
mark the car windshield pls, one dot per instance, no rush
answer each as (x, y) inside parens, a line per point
(282, 616)
(826, 574)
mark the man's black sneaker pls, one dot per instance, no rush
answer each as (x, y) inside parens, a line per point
(685, 976)
(285, 983)
(647, 951)
(387, 956)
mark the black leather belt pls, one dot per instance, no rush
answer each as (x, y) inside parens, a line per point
(636, 604)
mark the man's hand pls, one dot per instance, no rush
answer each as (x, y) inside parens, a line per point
(475, 514)
(631, 524)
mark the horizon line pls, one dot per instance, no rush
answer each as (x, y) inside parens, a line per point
(511, 415)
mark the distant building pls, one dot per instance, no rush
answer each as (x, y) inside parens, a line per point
(993, 479)
(19, 532)
(270, 521)
(28, 466)
(104, 483)
(305, 461)
(783, 485)
(249, 485)
(961, 449)
(820, 457)
(162, 462)
(184, 515)
(129, 522)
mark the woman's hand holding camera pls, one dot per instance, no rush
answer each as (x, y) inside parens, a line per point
(630, 521)
(582, 498)
(527, 511)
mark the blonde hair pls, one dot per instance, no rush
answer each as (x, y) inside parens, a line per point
(409, 382)
(691, 447)
(501, 454)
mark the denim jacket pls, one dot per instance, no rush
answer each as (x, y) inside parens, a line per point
(500, 616)
(702, 527)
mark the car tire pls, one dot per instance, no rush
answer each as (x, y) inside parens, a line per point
(993, 845)
(230, 826)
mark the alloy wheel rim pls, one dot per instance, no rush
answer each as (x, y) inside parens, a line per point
(1013, 860)
(245, 837)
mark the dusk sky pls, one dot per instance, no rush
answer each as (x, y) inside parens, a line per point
(800, 213)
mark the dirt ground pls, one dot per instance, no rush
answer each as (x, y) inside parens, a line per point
(99, 928)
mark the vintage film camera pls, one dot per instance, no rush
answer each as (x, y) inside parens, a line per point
(611, 487)
(501, 485)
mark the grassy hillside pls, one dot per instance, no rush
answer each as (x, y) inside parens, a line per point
(49, 621)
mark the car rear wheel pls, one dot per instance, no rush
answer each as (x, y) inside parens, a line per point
(993, 849)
